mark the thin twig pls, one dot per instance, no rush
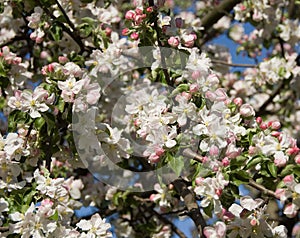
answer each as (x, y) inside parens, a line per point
(66, 16)
(191, 154)
(260, 187)
(233, 64)
(264, 106)
(73, 34)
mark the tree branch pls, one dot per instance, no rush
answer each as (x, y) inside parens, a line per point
(189, 199)
(191, 154)
(260, 187)
(263, 107)
(233, 64)
(66, 16)
(218, 12)
(4, 228)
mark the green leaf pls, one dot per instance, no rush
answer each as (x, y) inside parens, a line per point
(56, 32)
(254, 161)
(50, 121)
(240, 177)
(85, 29)
(176, 163)
(209, 209)
(39, 122)
(287, 170)
(273, 169)
(296, 171)
(61, 105)
(238, 161)
(55, 216)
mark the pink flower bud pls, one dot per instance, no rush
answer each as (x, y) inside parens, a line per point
(293, 151)
(44, 55)
(50, 68)
(153, 158)
(225, 162)
(149, 9)
(173, 41)
(194, 88)
(139, 11)
(188, 96)
(297, 159)
(137, 122)
(39, 40)
(288, 179)
(252, 150)
(279, 193)
(276, 125)
(219, 192)
(238, 101)
(134, 36)
(108, 31)
(130, 15)
(152, 197)
(253, 222)
(275, 133)
(62, 59)
(242, 7)
(125, 31)
(139, 19)
(199, 180)
(259, 120)
(263, 126)
(246, 110)
(210, 95)
(159, 151)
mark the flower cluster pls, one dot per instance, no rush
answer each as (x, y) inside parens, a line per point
(138, 95)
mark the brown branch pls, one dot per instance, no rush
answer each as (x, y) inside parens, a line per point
(190, 201)
(4, 228)
(217, 13)
(292, 9)
(233, 64)
(65, 16)
(191, 154)
(73, 34)
(264, 106)
(260, 187)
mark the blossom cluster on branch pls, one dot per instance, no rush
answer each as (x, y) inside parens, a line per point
(131, 110)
